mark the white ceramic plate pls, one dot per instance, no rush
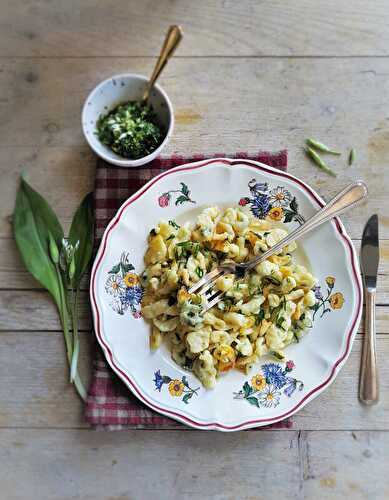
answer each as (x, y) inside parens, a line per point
(235, 403)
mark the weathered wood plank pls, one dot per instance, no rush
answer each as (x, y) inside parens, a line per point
(338, 465)
(134, 465)
(36, 393)
(33, 310)
(35, 390)
(326, 465)
(132, 28)
(278, 106)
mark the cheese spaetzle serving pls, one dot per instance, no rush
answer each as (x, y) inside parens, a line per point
(262, 313)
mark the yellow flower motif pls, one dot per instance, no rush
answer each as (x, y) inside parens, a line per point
(337, 300)
(330, 281)
(131, 279)
(276, 213)
(176, 388)
(258, 382)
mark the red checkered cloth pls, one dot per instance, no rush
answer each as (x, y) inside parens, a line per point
(110, 404)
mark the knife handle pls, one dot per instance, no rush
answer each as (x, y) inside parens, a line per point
(368, 382)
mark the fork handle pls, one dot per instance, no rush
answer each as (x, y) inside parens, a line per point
(368, 382)
(347, 198)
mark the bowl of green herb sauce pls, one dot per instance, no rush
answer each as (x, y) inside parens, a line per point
(120, 128)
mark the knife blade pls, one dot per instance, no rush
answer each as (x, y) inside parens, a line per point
(370, 254)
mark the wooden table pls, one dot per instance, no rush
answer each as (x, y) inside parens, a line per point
(248, 75)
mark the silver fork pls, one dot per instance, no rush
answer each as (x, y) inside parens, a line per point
(347, 198)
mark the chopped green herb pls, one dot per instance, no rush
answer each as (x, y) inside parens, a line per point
(277, 355)
(174, 224)
(130, 130)
(188, 364)
(321, 147)
(272, 280)
(199, 272)
(171, 301)
(319, 162)
(153, 232)
(280, 321)
(259, 317)
(351, 157)
(170, 237)
(266, 233)
(185, 244)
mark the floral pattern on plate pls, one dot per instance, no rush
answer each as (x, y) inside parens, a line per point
(267, 387)
(330, 301)
(275, 203)
(177, 388)
(181, 195)
(122, 285)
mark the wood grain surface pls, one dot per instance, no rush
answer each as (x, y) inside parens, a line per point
(249, 75)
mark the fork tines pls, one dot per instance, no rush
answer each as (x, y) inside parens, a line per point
(207, 281)
(205, 287)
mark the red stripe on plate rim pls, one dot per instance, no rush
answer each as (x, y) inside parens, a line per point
(128, 380)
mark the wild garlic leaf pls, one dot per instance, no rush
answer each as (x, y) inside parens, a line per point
(81, 231)
(33, 222)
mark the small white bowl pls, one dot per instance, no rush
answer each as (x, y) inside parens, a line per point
(116, 90)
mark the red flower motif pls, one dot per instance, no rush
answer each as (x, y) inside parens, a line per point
(290, 365)
(243, 201)
(163, 200)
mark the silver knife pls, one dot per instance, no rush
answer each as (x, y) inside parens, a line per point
(370, 255)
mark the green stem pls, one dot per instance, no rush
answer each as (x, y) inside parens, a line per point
(64, 317)
(76, 342)
(64, 314)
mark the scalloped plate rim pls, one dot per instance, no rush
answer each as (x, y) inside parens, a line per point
(352, 260)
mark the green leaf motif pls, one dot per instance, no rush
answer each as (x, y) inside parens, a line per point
(181, 199)
(185, 381)
(33, 221)
(247, 389)
(253, 401)
(81, 230)
(185, 189)
(166, 379)
(127, 267)
(115, 269)
(187, 397)
(294, 205)
(288, 216)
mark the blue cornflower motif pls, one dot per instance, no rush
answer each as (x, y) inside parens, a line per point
(274, 375)
(132, 296)
(290, 387)
(258, 187)
(317, 291)
(260, 205)
(158, 380)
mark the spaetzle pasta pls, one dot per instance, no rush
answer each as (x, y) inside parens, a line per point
(261, 314)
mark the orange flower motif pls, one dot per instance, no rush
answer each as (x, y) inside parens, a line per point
(258, 382)
(131, 279)
(330, 281)
(176, 388)
(276, 213)
(336, 300)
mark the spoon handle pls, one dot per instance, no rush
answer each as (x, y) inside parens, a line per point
(172, 40)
